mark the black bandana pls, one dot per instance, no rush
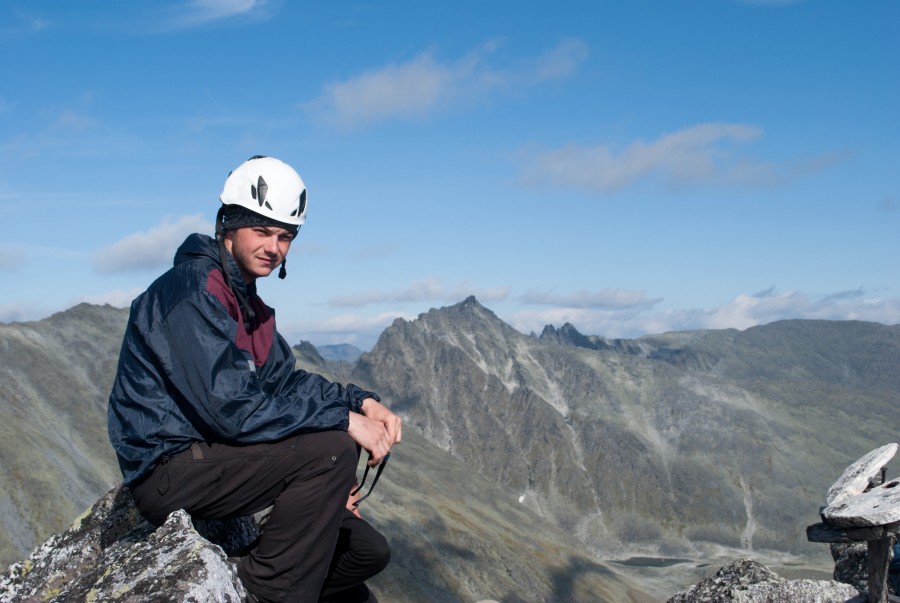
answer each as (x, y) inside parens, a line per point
(237, 216)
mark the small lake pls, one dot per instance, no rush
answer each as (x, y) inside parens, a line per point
(651, 561)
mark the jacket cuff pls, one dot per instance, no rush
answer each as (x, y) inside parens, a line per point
(357, 395)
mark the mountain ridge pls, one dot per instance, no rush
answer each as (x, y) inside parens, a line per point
(625, 412)
(609, 448)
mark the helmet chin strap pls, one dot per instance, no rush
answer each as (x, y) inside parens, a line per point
(282, 272)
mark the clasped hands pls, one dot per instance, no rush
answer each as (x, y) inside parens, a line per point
(377, 429)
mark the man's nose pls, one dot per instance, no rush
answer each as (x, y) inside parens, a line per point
(271, 245)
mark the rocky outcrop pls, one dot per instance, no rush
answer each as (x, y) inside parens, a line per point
(746, 581)
(111, 554)
(850, 564)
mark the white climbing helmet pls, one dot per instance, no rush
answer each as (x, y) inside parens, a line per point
(268, 187)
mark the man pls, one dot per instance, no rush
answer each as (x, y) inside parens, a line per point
(208, 414)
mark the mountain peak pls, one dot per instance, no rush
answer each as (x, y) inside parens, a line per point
(470, 302)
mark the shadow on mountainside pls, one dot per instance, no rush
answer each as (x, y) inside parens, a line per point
(446, 563)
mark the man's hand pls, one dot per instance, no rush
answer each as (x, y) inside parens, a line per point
(377, 411)
(376, 430)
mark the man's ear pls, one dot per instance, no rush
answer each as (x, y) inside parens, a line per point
(228, 238)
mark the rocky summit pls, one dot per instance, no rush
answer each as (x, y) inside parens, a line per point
(111, 554)
(746, 581)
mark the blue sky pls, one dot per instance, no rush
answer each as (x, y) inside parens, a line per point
(629, 167)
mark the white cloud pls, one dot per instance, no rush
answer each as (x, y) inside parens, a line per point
(376, 251)
(201, 12)
(120, 298)
(21, 311)
(745, 311)
(150, 250)
(562, 61)
(357, 329)
(742, 312)
(71, 120)
(697, 155)
(424, 290)
(772, 2)
(423, 85)
(16, 22)
(606, 299)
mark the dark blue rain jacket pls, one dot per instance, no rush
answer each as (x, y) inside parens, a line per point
(190, 371)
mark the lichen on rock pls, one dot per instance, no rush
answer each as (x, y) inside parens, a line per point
(110, 553)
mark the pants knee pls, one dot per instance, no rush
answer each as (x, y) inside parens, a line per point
(380, 554)
(373, 554)
(347, 451)
(337, 449)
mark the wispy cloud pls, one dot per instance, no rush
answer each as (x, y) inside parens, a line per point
(699, 155)
(608, 299)
(11, 258)
(420, 291)
(422, 86)
(120, 298)
(70, 128)
(22, 311)
(377, 251)
(745, 311)
(150, 250)
(357, 329)
(771, 2)
(196, 13)
(73, 120)
(742, 312)
(17, 22)
(15, 258)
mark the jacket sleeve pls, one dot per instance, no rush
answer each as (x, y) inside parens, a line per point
(279, 374)
(215, 382)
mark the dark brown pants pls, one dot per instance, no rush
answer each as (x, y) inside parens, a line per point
(312, 548)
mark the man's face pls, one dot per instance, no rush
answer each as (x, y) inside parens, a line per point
(258, 250)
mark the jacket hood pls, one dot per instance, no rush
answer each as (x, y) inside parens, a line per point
(197, 246)
(203, 247)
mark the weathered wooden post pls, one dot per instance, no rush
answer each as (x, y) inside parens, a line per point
(863, 508)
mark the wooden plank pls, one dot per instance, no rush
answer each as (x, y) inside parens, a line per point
(823, 532)
(878, 507)
(878, 559)
(855, 478)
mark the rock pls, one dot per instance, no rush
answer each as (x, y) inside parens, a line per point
(110, 553)
(850, 564)
(856, 478)
(746, 581)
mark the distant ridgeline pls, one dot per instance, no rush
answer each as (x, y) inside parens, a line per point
(656, 446)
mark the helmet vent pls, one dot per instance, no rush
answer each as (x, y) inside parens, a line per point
(301, 206)
(262, 188)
